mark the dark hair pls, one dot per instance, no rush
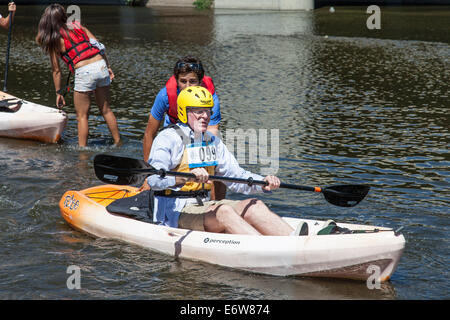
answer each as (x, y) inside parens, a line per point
(189, 64)
(52, 20)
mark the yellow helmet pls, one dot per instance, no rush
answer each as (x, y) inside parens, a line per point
(193, 97)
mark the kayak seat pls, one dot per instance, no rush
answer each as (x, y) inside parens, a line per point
(10, 105)
(302, 229)
(136, 207)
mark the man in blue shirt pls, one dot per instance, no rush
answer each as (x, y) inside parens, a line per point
(188, 72)
(161, 106)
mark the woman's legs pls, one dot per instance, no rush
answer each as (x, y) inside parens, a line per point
(102, 98)
(82, 102)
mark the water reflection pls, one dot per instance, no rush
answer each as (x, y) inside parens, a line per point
(224, 283)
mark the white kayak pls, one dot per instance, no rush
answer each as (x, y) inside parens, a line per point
(372, 252)
(27, 120)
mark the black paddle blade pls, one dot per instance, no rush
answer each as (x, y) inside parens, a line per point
(345, 195)
(118, 170)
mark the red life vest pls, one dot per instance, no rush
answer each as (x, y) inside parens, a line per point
(171, 87)
(78, 47)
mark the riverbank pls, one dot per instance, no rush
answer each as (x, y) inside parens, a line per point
(282, 5)
(241, 4)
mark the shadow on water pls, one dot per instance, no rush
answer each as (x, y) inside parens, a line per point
(351, 106)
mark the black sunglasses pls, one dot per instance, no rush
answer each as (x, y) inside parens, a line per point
(191, 65)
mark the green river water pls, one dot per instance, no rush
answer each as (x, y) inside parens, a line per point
(352, 105)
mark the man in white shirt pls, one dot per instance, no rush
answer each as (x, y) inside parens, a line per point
(4, 22)
(184, 203)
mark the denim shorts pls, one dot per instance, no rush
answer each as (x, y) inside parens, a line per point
(91, 76)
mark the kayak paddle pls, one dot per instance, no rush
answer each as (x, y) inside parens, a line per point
(128, 171)
(7, 50)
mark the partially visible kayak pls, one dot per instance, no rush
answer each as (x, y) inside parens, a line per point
(368, 251)
(27, 120)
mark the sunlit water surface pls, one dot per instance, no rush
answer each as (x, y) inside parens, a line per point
(351, 105)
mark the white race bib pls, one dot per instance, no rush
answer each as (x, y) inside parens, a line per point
(201, 155)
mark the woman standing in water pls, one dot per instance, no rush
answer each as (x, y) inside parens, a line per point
(86, 58)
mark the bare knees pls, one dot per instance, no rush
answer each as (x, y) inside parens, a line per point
(249, 216)
(223, 218)
(251, 210)
(258, 215)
